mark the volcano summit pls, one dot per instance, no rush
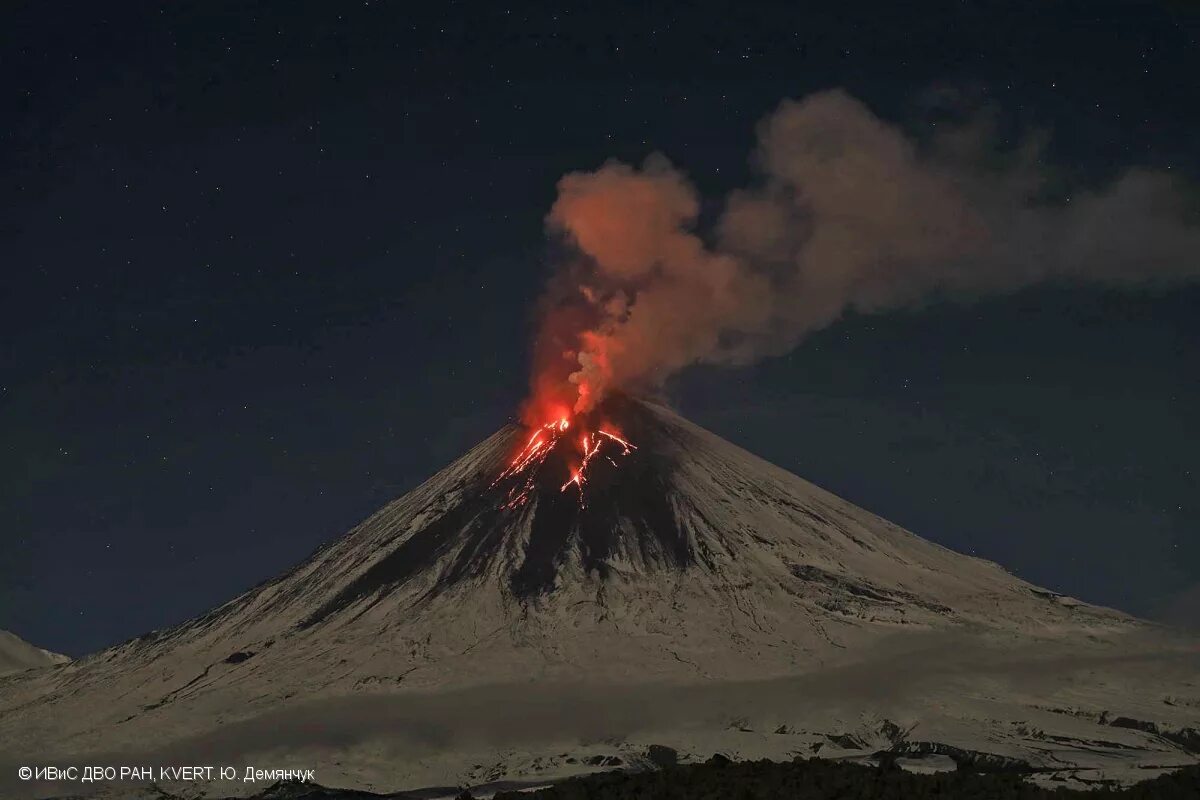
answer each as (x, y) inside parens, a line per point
(537, 609)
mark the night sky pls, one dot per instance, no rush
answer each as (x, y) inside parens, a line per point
(266, 266)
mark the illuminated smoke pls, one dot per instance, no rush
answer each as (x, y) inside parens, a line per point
(848, 213)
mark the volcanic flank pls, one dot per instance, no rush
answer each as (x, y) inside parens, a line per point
(678, 529)
(16, 655)
(618, 548)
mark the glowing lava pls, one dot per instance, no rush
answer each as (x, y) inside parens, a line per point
(544, 441)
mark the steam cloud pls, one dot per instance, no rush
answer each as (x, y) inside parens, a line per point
(850, 213)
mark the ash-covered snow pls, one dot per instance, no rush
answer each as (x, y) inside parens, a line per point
(451, 640)
(17, 655)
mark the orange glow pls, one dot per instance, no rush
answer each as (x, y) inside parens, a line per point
(542, 441)
(619, 440)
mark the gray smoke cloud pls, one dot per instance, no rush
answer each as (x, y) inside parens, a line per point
(849, 213)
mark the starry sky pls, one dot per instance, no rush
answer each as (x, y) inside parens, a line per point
(266, 266)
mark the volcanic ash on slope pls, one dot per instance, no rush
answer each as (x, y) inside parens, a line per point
(680, 554)
(677, 558)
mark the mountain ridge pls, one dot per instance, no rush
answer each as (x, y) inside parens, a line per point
(682, 560)
(17, 655)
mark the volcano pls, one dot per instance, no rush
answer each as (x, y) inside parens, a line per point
(669, 588)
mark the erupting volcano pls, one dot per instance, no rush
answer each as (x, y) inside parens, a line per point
(618, 547)
(522, 472)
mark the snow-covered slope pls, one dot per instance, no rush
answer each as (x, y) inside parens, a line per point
(17, 655)
(689, 562)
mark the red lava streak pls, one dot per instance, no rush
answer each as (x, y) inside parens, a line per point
(543, 441)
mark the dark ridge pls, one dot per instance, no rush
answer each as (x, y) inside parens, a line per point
(472, 518)
(972, 760)
(632, 499)
(662, 756)
(807, 572)
(554, 517)
(636, 493)
(1187, 739)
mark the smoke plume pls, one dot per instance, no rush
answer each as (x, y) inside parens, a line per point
(848, 213)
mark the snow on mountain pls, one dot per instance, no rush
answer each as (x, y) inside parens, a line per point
(687, 564)
(17, 655)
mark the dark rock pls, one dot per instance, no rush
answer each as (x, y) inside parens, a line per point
(662, 756)
(966, 760)
(605, 761)
(1188, 739)
(845, 741)
(1134, 724)
(892, 732)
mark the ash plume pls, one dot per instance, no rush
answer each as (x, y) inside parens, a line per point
(847, 213)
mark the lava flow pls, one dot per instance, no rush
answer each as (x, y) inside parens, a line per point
(543, 442)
